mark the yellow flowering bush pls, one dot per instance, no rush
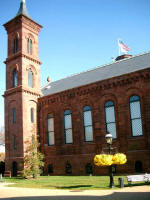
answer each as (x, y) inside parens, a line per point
(119, 159)
(107, 160)
(103, 160)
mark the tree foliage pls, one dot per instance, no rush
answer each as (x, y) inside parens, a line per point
(33, 160)
(2, 156)
(2, 137)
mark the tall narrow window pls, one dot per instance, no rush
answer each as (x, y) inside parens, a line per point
(50, 129)
(88, 129)
(68, 127)
(30, 78)
(110, 118)
(29, 46)
(15, 143)
(14, 115)
(32, 115)
(15, 45)
(135, 116)
(14, 78)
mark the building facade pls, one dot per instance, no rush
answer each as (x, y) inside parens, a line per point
(74, 114)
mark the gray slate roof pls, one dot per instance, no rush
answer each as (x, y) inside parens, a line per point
(23, 10)
(115, 69)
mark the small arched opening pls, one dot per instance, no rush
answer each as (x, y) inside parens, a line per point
(138, 166)
(14, 169)
(88, 168)
(68, 168)
(50, 169)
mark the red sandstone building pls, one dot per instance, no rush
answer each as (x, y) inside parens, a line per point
(74, 114)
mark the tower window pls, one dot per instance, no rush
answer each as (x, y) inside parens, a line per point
(135, 116)
(29, 46)
(110, 118)
(15, 78)
(14, 115)
(15, 45)
(32, 115)
(30, 78)
(68, 127)
(88, 128)
(50, 129)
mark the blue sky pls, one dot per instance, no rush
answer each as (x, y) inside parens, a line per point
(79, 34)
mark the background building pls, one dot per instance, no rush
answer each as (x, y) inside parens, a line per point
(73, 114)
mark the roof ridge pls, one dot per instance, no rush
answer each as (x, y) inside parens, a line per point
(92, 69)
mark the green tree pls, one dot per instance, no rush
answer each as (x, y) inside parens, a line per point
(2, 137)
(33, 160)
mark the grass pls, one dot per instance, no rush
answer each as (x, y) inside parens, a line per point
(67, 182)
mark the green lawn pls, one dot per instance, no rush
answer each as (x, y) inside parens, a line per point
(67, 182)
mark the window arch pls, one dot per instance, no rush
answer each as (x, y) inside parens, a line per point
(15, 45)
(135, 115)
(15, 80)
(110, 118)
(30, 78)
(32, 115)
(50, 129)
(88, 128)
(68, 127)
(29, 46)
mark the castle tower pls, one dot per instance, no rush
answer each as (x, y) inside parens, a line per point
(22, 87)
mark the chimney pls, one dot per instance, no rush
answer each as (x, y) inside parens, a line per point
(123, 57)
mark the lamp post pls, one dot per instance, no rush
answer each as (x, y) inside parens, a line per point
(109, 139)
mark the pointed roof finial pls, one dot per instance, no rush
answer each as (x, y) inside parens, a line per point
(23, 10)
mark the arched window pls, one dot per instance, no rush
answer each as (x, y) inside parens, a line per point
(15, 78)
(88, 168)
(50, 129)
(135, 116)
(30, 78)
(68, 168)
(32, 115)
(87, 119)
(50, 169)
(15, 45)
(29, 46)
(110, 118)
(68, 127)
(14, 115)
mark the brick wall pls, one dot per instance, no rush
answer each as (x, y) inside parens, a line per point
(80, 153)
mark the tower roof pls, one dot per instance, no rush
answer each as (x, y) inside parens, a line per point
(23, 10)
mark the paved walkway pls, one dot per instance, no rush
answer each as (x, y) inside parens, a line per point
(128, 193)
